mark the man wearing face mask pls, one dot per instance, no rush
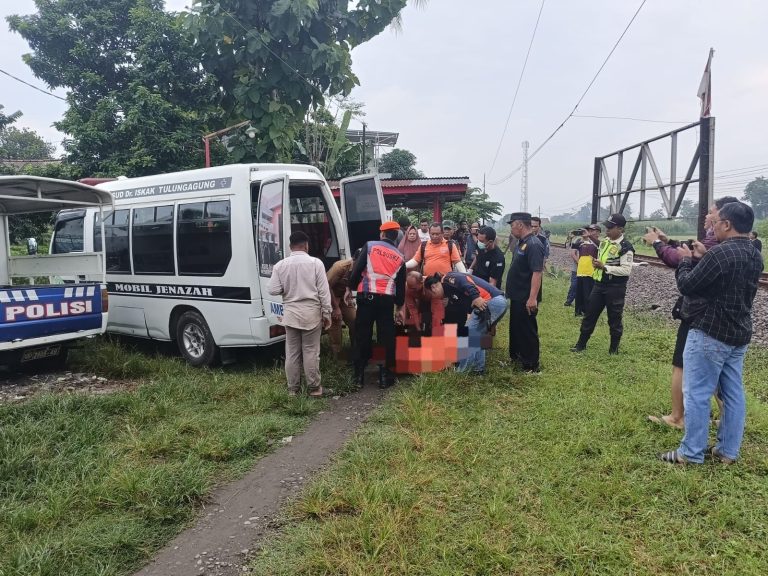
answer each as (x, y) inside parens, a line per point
(489, 262)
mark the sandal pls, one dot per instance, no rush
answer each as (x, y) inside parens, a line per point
(665, 420)
(672, 457)
(317, 393)
(717, 456)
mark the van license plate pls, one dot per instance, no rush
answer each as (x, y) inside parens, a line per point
(40, 353)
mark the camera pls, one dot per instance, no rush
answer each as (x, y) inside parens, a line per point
(688, 243)
(577, 232)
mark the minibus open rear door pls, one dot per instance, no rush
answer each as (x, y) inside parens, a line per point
(362, 208)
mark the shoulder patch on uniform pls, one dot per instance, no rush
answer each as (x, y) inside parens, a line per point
(629, 257)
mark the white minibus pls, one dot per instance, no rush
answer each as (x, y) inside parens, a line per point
(189, 254)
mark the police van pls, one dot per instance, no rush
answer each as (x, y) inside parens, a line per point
(189, 254)
(41, 320)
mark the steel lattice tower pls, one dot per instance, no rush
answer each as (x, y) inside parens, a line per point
(524, 187)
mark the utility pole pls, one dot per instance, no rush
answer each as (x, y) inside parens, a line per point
(524, 187)
(362, 168)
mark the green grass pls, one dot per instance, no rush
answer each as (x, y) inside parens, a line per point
(550, 474)
(92, 485)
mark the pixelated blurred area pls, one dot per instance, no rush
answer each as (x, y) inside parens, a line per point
(417, 354)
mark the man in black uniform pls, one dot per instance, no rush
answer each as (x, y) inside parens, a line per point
(523, 284)
(612, 268)
(489, 262)
(379, 275)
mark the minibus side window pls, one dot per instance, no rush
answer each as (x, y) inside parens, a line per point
(68, 235)
(153, 240)
(268, 226)
(204, 243)
(116, 232)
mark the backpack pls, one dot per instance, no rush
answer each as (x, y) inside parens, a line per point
(423, 249)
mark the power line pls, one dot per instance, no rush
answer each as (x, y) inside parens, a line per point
(581, 98)
(744, 168)
(629, 118)
(32, 85)
(517, 89)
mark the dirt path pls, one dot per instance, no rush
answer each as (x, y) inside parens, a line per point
(239, 514)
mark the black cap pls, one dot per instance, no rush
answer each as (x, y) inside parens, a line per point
(594, 227)
(524, 216)
(616, 220)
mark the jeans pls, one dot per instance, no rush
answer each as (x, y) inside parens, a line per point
(476, 329)
(572, 288)
(708, 363)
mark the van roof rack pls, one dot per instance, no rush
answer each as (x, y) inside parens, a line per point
(29, 194)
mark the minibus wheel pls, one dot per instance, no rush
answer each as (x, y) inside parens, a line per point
(195, 340)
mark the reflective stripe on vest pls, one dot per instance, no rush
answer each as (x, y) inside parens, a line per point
(610, 254)
(384, 262)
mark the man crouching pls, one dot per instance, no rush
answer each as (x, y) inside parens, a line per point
(475, 296)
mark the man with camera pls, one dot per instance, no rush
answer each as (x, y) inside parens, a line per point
(613, 266)
(666, 249)
(723, 284)
(471, 295)
(572, 241)
(587, 252)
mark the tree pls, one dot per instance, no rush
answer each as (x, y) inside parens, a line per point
(658, 214)
(476, 206)
(756, 193)
(401, 164)
(7, 120)
(688, 209)
(277, 59)
(323, 143)
(584, 214)
(24, 144)
(138, 100)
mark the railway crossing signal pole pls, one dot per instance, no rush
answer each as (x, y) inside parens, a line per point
(706, 170)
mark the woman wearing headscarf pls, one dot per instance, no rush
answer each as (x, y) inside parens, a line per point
(410, 243)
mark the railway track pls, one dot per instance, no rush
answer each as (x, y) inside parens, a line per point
(656, 261)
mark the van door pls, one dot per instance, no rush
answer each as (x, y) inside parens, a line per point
(271, 228)
(362, 208)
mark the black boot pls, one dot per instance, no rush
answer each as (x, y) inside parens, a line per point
(581, 345)
(614, 347)
(386, 378)
(358, 379)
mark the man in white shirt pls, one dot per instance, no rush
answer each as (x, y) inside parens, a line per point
(424, 230)
(302, 282)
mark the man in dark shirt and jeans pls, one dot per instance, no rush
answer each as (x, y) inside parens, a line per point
(523, 284)
(489, 262)
(724, 284)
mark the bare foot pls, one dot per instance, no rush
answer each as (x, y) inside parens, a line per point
(667, 420)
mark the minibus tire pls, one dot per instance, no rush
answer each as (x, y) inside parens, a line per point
(195, 340)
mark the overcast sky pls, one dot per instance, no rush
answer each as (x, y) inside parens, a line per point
(446, 81)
